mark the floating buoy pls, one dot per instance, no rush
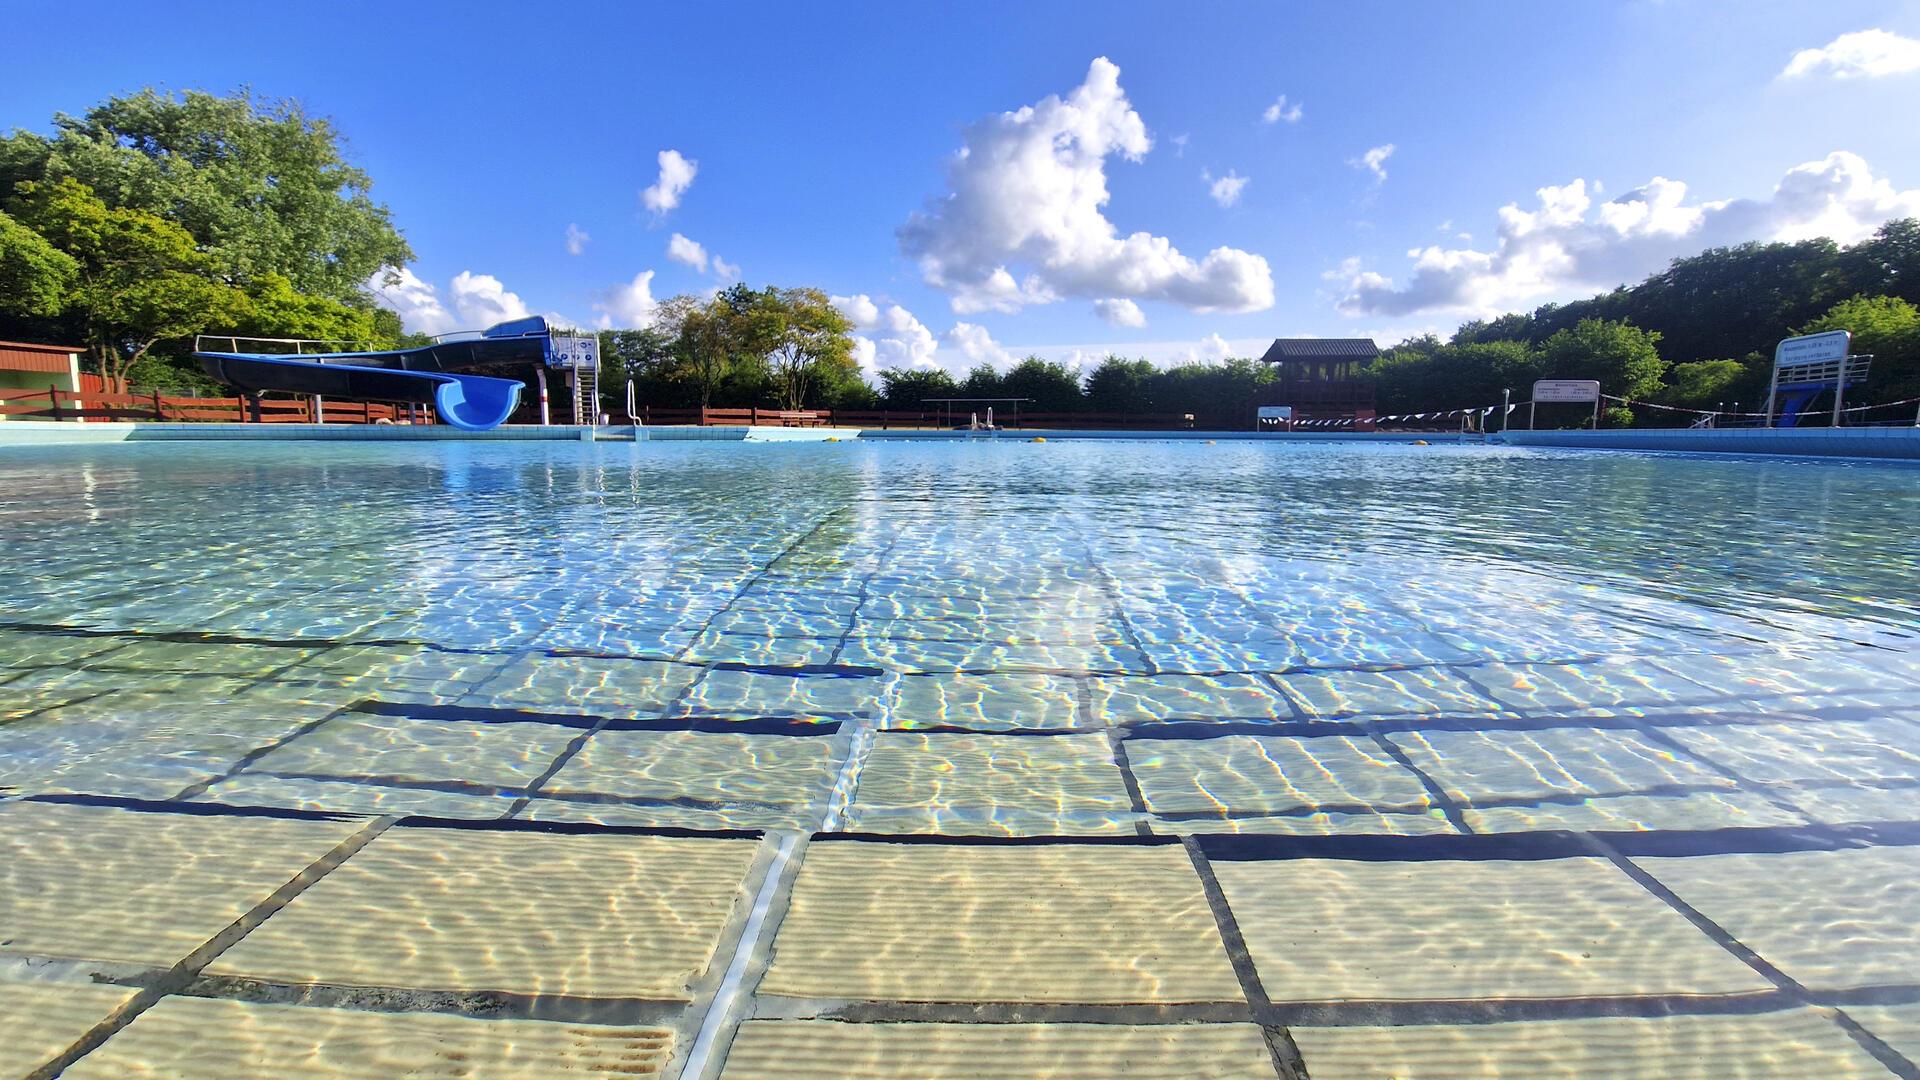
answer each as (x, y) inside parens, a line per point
(1038, 438)
(833, 438)
(1210, 442)
(1419, 442)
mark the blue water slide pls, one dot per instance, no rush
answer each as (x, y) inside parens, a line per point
(428, 374)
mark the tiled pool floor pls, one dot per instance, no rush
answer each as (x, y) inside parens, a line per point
(996, 780)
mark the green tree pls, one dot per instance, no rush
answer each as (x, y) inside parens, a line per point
(804, 340)
(1216, 395)
(1052, 386)
(1119, 385)
(274, 310)
(35, 276)
(260, 186)
(1706, 384)
(907, 389)
(1624, 358)
(1886, 328)
(139, 279)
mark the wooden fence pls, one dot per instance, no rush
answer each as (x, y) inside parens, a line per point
(56, 404)
(909, 418)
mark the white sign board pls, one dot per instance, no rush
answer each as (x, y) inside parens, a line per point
(1275, 412)
(567, 350)
(1566, 390)
(1812, 349)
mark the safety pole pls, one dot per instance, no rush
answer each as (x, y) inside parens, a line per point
(1840, 390)
(1506, 407)
(540, 377)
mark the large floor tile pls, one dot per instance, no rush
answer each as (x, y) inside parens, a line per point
(1256, 772)
(612, 915)
(42, 1019)
(1048, 923)
(801, 1049)
(1000, 702)
(1830, 919)
(716, 767)
(1486, 766)
(200, 1037)
(990, 783)
(359, 746)
(1767, 1046)
(144, 888)
(1333, 930)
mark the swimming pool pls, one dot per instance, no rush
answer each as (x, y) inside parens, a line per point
(984, 758)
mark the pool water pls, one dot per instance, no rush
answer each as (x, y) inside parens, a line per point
(982, 758)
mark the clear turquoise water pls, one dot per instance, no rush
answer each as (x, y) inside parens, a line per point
(993, 639)
(986, 586)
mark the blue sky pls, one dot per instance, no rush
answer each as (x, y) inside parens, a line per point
(826, 143)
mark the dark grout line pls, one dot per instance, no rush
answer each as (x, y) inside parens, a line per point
(1280, 1045)
(756, 577)
(1441, 799)
(1472, 1011)
(860, 598)
(867, 1011)
(1128, 632)
(1301, 714)
(573, 748)
(1895, 1061)
(195, 790)
(182, 974)
(1768, 792)
(823, 724)
(479, 1004)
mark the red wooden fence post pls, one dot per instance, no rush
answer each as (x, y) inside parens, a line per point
(53, 400)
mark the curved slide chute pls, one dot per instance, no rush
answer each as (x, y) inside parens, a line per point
(426, 375)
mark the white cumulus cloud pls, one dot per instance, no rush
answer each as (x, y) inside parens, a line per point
(1024, 221)
(1225, 190)
(480, 300)
(628, 306)
(471, 302)
(978, 346)
(1120, 311)
(1210, 349)
(1280, 110)
(687, 252)
(1863, 54)
(576, 239)
(1374, 161)
(416, 301)
(886, 337)
(676, 176)
(726, 271)
(1568, 246)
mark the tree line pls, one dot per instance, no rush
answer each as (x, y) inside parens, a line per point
(1698, 335)
(154, 217)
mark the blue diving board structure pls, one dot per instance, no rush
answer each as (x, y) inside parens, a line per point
(431, 374)
(1810, 365)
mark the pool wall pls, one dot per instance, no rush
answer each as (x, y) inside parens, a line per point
(1874, 442)
(1894, 443)
(57, 433)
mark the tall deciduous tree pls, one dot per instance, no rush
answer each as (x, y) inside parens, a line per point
(260, 186)
(805, 339)
(1886, 328)
(35, 276)
(1624, 358)
(139, 279)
